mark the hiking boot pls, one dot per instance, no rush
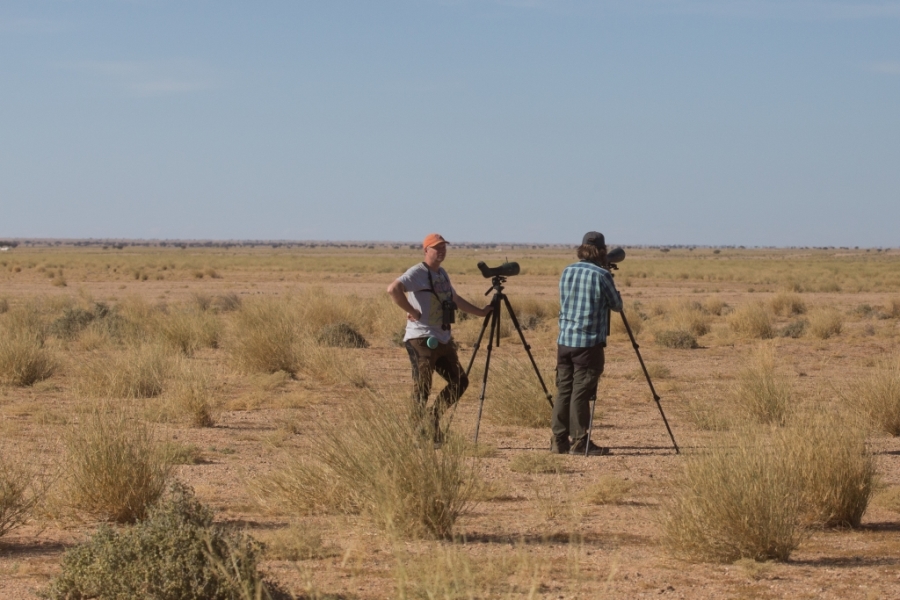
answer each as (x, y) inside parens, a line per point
(559, 445)
(592, 450)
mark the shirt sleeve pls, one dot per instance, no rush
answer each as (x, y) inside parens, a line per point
(610, 293)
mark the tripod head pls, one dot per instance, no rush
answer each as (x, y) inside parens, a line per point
(497, 282)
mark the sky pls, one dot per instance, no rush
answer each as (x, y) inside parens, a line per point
(660, 122)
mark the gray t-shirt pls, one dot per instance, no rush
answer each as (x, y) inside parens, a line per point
(419, 292)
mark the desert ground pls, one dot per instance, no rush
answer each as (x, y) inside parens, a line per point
(823, 321)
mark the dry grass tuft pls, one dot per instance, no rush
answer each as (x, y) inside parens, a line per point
(19, 493)
(753, 495)
(689, 316)
(133, 372)
(266, 337)
(763, 390)
(708, 416)
(514, 395)
(752, 321)
(533, 313)
(190, 330)
(878, 396)
(189, 398)
(835, 470)
(737, 500)
(607, 489)
(115, 467)
(788, 304)
(376, 459)
(24, 358)
(715, 306)
(825, 323)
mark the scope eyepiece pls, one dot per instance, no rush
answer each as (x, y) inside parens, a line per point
(505, 270)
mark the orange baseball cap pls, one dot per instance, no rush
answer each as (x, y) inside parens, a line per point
(433, 239)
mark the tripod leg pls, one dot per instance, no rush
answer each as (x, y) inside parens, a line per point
(478, 343)
(495, 326)
(587, 443)
(656, 398)
(512, 315)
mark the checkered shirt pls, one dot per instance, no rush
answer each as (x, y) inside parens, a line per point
(585, 293)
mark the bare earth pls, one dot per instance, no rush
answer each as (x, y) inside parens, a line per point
(587, 551)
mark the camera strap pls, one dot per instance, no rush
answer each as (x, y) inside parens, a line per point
(431, 283)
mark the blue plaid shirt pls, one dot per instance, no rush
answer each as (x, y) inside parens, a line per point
(585, 293)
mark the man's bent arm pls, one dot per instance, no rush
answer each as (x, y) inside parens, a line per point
(397, 291)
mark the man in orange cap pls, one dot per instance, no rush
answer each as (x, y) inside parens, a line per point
(430, 302)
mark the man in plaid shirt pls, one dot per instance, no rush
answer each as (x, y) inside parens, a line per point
(586, 295)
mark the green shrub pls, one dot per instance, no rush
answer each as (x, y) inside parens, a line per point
(177, 552)
(676, 339)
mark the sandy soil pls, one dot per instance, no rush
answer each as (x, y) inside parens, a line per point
(608, 551)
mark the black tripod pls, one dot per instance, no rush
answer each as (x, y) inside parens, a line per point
(656, 398)
(494, 319)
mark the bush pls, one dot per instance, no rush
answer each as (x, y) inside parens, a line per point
(676, 339)
(788, 304)
(116, 468)
(763, 391)
(378, 460)
(752, 321)
(737, 500)
(825, 323)
(266, 337)
(878, 395)
(176, 553)
(341, 335)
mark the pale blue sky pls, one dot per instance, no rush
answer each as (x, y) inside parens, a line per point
(655, 121)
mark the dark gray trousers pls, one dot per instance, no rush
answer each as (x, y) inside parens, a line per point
(577, 374)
